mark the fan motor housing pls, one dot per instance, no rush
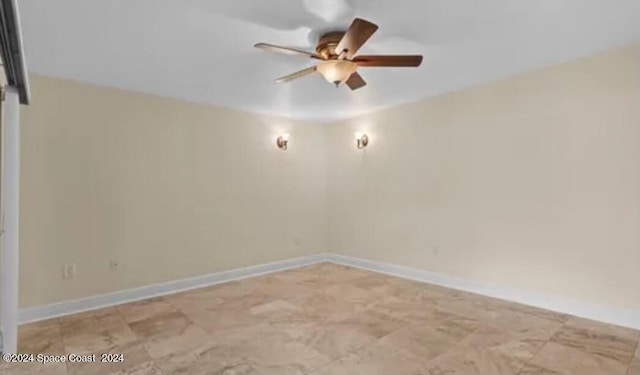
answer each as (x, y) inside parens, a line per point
(327, 44)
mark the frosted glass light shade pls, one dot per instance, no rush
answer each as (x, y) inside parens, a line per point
(337, 71)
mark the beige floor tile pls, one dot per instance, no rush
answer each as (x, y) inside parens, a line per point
(569, 360)
(33, 369)
(274, 309)
(318, 307)
(95, 333)
(40, 338)
(329, 319)
(411, 311)
(634, 366)
(240, 339)
(195, 299)
(526, 323)
(384, 286)
(213, 321)
(218, 306)
(349, 293)
(374, 360)
(147, 368)
(475, 360)
(208, 359)
(232, 291)
(603, 328)
(375, 323)
(482, 309)
(135, 311)
(164, 334)
(536, 370)
(280, 286)
(279, 354)
(519, 345)
(245, 302)
(428, 341)
(336, 339)
(597, 342)
(134, 356)
(239, 369)
(540, 313)
(73, 318)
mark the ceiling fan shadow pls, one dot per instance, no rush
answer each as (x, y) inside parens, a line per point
(331, 11)
(281, 15)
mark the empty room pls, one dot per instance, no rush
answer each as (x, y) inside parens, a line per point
(320, 187)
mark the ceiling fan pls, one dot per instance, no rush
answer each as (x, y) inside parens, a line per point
(336, 52)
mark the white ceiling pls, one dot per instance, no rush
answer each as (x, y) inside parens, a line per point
(202, 50)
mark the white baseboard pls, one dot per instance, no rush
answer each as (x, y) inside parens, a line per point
(621, 317)
(37, 313)
(625, 318)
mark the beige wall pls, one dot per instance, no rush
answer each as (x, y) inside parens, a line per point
(532, 182)
(170, 189)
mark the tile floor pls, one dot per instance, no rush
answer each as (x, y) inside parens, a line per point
(329, 319)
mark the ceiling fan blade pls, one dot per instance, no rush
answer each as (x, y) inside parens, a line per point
(388, 60)
(296, 75)
(357, 34)
(355, 81)
(286, 50)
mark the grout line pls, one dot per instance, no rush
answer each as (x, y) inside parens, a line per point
(64, 346)
(156, 368)
(142, 341)
(251, 366)
(362, 346)
(633, 355)
(543, 345)
(358, 348)
(457, 344)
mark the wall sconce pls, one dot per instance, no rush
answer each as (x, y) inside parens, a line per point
(361, 140)
(283, 141)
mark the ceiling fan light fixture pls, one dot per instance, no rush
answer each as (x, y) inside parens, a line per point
(337, 52)
(337, 71)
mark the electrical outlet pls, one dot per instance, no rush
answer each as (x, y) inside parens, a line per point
(72, 271)
(113, 265)
(68, 271)
(435, 250)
